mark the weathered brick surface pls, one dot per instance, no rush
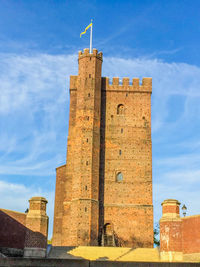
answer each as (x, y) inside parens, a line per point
(58, 206)
(171, 209)
(19, 230)
(36, 224)
(179, 234)
(171, 236)
(12, 229)
(126, 140)
(191, 234)
(109, 133)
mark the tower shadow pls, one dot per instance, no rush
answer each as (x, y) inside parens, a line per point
(102, 158)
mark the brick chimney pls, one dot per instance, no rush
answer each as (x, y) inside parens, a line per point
(171, 231)
(37, 228)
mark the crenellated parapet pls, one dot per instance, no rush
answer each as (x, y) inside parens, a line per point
(134, 86)
(86, 53)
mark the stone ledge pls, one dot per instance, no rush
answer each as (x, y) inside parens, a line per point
(34, 252)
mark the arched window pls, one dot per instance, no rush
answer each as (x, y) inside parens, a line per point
(119, 177)
(120, 109)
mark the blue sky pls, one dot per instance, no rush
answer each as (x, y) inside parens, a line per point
(39, 43)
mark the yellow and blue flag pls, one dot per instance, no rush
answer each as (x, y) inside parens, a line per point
(90, 25)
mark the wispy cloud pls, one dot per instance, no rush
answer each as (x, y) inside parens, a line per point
(33, 105)
(164, 52)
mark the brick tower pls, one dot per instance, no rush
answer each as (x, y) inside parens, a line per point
(104, 192)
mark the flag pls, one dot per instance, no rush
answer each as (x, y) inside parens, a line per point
(90, 25)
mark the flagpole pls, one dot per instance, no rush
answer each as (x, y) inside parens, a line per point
(91, 38)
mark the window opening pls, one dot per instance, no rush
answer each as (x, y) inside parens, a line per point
(120, 109)
(119, 177)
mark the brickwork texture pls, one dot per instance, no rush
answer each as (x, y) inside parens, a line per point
(179, 236)
(107, 179)
(19, 230)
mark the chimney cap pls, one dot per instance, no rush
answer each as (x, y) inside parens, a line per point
(42, 199)
(170, 201)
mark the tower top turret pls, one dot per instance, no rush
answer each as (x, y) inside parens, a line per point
(86, 53)
(90, 64)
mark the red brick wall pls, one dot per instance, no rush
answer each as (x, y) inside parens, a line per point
(171, 236)
(191, 234)
(58, 208)
(126, 148)
(19, 230)
(178, 234)
(67, 197)
(12, 229)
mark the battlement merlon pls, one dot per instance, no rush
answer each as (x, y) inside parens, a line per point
(86, 53)
(146, 85)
